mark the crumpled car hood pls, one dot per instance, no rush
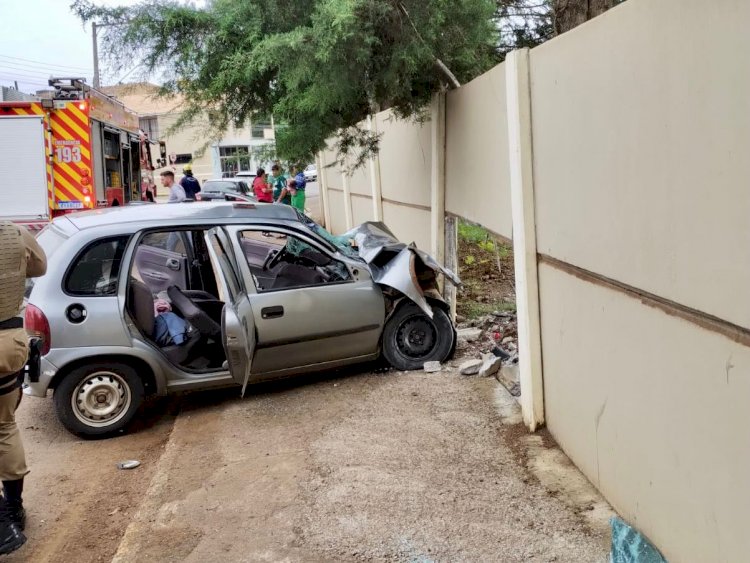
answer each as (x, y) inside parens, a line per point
(395, 264)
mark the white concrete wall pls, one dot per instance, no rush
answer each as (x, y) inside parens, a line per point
(336, 203)
(641, 136)
(641, 128)
(408, 224)
(361, 209)
(405, 160)
(640, 125)
(653, 409)
(476, 158)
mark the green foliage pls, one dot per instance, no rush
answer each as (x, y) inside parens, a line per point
(476, 234)
(472, 233)
(523, 23)
(475, 309)
(320, 66)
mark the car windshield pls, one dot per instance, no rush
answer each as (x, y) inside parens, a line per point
(339, 242)
(220, 186)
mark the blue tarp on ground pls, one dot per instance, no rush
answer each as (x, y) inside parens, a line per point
(630, 546)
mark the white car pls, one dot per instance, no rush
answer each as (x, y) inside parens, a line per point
(311, 173)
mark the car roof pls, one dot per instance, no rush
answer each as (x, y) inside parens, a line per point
(189, 212)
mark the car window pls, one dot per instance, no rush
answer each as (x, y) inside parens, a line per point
(220, 187)
(225, 265)
(171, 241)
(96, 269)
(278, 261)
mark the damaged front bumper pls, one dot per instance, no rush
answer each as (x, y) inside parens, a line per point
(400, 266)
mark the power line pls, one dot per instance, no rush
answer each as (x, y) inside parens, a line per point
(26, 70)
(16, 66)
(22, 84)
(23, 78)
(124, 76)
(44, 63)
(19, 75)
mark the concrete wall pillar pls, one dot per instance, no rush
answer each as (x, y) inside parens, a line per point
(524, 237)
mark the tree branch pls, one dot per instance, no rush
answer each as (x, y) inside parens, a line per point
(440, 64)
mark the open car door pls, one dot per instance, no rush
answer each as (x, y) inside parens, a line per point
(237, 324)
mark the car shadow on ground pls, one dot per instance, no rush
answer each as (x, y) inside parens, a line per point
(155, 409)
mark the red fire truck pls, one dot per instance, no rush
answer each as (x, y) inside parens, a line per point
(79, 149)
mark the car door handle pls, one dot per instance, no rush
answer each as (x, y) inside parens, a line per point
(272, 312)
(155, 275)
(173, 264)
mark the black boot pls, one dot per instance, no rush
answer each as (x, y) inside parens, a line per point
(13, 491)
(11, 538)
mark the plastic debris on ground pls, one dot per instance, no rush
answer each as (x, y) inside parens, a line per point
(630, 546)
(128, 464)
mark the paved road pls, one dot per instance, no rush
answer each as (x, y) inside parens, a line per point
(342, 467)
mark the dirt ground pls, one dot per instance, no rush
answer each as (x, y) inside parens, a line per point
(485, 266)
(356, 466)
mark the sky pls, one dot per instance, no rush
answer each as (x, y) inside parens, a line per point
(40, 38)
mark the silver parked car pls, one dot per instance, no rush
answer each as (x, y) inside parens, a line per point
(162, 298)
(227, 189)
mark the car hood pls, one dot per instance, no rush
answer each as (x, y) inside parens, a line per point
(395, 264)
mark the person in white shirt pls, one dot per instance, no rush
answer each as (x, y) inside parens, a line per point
(176, 191)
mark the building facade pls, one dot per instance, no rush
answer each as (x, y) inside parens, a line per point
(237, 150)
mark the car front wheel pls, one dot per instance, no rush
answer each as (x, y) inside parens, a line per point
(411, 338)
(98, 399)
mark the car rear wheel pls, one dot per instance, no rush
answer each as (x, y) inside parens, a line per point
(98, 399)
(411, 338)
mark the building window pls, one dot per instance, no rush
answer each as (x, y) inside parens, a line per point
(234, 160)
(183, 158)
(259, 126)
(150, 126)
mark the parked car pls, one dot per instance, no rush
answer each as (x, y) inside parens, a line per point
(246, 175)
(225, 189)
(311, 173)
(256, 292)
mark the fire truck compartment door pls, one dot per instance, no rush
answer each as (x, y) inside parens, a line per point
(23, 170)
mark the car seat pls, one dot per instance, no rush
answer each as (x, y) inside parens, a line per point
(193, 314)
(140, 305)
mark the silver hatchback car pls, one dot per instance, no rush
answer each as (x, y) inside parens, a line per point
(162, 298)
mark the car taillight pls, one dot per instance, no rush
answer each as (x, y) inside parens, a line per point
(36, 324)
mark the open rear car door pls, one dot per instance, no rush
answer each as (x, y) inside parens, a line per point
(237, 324)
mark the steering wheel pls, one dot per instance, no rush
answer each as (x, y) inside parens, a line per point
(273, 258)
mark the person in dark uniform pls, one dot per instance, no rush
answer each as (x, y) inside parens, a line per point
(189, 183)
(21, 257)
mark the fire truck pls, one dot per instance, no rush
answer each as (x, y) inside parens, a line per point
(78, 149)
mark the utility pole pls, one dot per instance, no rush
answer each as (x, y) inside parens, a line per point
(96, 55)
(94, 27)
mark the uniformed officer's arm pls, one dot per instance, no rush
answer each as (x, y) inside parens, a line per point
(36, 260)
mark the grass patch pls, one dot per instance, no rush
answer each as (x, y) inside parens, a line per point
(474, 309)
(478, 235)
(472, 233)
(486, 269)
